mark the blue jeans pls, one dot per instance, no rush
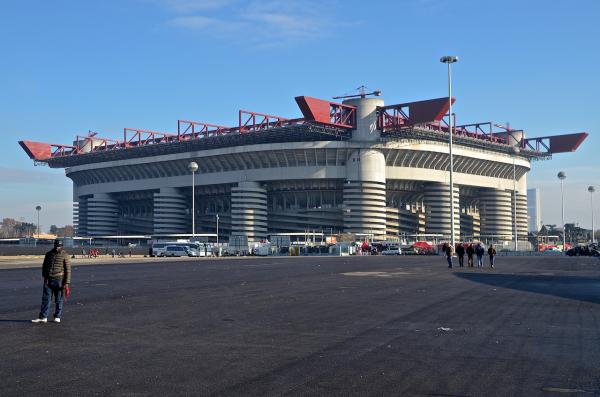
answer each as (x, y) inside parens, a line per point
(53, 286)
(492, 260)
(479, 260)
(449, 258)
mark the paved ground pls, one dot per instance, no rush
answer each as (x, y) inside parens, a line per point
(376, 326)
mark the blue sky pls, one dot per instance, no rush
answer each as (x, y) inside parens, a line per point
(72, 66)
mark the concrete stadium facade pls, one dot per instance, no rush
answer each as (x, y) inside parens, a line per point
(358, 167)
(368, 183)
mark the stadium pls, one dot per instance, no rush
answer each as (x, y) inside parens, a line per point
(358, 166)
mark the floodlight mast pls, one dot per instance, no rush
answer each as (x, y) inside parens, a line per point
(449, 60)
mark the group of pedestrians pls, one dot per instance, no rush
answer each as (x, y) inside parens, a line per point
(472, 250)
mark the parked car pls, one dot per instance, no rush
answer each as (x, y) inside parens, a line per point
(410, 251)
(582, 250)
(392, 251)
(158, 249)
(176, 250)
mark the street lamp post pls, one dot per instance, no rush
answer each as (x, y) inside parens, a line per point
(38, 209)
(217, 230)
(592, 189)
(449, 60)
(562, 176)
(515, 151)
(193, 167)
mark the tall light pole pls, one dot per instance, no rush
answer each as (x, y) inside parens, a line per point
(592, 189)
(449, 60)
(562, 176)
(515, 151)
(217, 230)
(38, 209)
(193, 167)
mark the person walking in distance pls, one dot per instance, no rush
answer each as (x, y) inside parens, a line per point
(460, 252)
(470, 251)
(492, 254)
(449, 254)
(56, 272)
(479, 251)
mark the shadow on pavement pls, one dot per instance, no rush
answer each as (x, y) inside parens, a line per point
(14, 321)
(571, 287)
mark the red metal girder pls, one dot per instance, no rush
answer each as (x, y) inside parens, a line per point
(253, 121)
(41, 151)
(556, 143)
(192, 129)
(412, 113)
(139, 137)
(37, 150)
(326, 112)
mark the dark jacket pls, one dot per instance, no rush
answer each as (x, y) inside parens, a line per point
(57, 266)
(470, 250)
(491, 251)
(479, 250)
(460, 250)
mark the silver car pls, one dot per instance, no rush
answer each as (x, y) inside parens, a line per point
(175, 250)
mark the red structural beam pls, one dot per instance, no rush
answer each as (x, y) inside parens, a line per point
(412, 113)
(326, 112)
(137, 137)
(556, 143)
(428, 114)
(485, 131)
(193, 129)
(40, 151)
(254, 121)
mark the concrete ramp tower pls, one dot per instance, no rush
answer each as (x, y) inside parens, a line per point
(364, 190)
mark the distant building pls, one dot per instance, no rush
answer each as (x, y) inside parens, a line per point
(534, 210)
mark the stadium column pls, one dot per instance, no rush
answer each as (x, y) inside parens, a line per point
(522, 217)
(364, 194)
(496, 212)
(522, 222)
(169, 215)
(80, 212)
(365, 187)
(249, 211)
(102, 215)
(437, 210)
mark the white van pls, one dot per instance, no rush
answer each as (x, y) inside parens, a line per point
(176, 250)
(158, 249)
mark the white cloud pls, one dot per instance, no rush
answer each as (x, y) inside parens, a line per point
(258, 23)
(189, 6)
(193, 22)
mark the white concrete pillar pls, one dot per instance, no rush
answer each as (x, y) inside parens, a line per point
(364, 194)
(80, 212)
(438, 211)
(522, 219)
(102, 215)
(170, 212)
(496, 211)
(366, 118)
(249, 211)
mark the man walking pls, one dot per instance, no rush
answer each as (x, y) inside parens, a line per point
(56, 272)
(470, 253)
(460, 252)
(492, 254)
(449, 254)
(479, 251)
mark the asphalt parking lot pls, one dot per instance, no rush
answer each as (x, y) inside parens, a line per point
(380, 326)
